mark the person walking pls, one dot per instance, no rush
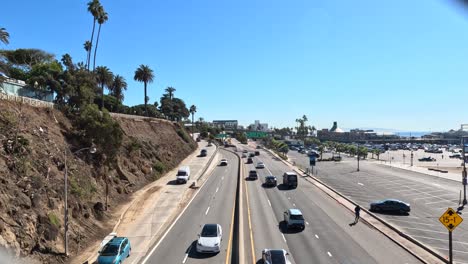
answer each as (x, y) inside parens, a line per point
(357, 211)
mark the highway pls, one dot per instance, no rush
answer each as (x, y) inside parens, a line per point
(213, 204)
(327, 238)
(429, 197)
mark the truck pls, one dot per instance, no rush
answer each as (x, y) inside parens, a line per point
(290, 179)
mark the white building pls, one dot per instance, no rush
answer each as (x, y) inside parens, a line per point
(257, 126)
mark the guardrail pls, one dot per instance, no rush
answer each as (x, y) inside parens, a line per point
(26, 100)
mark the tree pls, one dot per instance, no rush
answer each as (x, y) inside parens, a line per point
(104, 77)
(43, 79)
(192, 110)
(118, 86)
(102, 18)
(87, 46)
(302, 129)
(25, 59)
(170, 92)
(144, 74)
(93, 8)
(4, 36)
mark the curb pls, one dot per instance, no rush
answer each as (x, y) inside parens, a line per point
(399, 232)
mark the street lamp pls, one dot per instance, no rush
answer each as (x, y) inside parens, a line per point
(412, 155)
(92, 150)
(464, 151)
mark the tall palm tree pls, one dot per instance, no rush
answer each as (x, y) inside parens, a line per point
(104, 77)
(94, 7)
(118, 86)
(101, 20)
(192, 110)
(170, 91)
(4, 36)
(144, 74)
(87, 46)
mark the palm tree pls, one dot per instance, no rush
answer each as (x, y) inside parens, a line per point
(144, 74)
(170, 91)
(118, 86)
(104, 77)
(192, 110)
(4, 36)
(101, 20)
(87, 46)
(93, 8)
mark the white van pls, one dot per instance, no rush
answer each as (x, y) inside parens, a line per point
(183, 174)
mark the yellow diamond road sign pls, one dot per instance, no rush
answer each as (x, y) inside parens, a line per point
(450, 219)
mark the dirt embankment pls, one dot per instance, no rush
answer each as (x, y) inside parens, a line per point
(34, 143)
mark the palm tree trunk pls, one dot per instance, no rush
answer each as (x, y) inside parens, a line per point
(146, 109)
(192, 124)
(91, 48)
(95, 48)
(102, 96)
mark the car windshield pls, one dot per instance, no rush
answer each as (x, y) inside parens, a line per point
(277, 257)
(209, 231)
(181, 173)
(297, 217)
(110, 250)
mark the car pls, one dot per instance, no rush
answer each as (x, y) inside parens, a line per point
(293, 219)
(249, 160)
(108, 238)
(257, 153)
(223, 162)
(203, 153)
(258, 147)
(115, 251)
(251, 154)
(253, 175)
(270, 180)
(245, 151)
(209, 144)
(260, 165)
(198, 139)
(183, 174)
(275, 256)
(209, 240)
(429, 159)
(244, 156)
(455, 156)
(390, 205)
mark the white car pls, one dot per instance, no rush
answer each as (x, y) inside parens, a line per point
(260, 165)
(209, 241)
(108, 238)
(223, 162)
(275, 256)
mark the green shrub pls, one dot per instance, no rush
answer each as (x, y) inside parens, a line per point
(53, 219)
(133, 145)
(184, 135)
(159, 167)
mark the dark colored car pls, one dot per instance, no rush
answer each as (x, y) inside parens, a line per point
(203, 153)
(253, 175)
(270, 181)
(257, 153)
(390, 205)
(251, 154)
(249, 160)
(427, 159)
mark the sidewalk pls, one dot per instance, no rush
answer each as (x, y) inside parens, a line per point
(154, 207)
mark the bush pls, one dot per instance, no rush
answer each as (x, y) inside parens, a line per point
(182, 134)
(133, 145)
(53, 219)
(159, 167)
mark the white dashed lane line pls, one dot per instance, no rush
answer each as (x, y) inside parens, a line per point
(329, 254)
(307, 223)
(294, 205)
(217, 189)
(360, 184)
(208, 209)
(185, 259)
(316, 236)
(269, 202)
(284, 238)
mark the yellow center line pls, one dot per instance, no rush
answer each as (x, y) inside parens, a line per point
(228, 253)
(254, 259)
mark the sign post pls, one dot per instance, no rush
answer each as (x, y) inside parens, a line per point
(450, 219)
(464, 152)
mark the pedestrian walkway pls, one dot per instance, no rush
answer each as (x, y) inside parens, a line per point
(153, 208)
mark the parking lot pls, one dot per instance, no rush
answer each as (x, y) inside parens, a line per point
(429, 197)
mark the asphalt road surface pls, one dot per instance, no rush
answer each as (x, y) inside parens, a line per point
(213, 204)
(327, 238)
(429, 197)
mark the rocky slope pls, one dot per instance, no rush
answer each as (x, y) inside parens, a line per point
(34, 143)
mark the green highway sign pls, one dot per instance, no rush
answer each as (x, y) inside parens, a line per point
(221, 136)
(256, 134)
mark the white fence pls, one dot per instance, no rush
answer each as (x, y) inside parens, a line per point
(26, 100)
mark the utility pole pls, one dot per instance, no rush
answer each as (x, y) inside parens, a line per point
(412, 155)
(358, 161)
(464, 180)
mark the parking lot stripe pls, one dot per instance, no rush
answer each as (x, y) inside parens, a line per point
(440, 239)
(425, 230)
(446, 249)
(412, 222)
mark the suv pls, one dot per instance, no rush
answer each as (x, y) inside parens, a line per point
(270, 181)
(203, 153)
(253, 175)
(249, 160)
(115, 251)
(294, 218)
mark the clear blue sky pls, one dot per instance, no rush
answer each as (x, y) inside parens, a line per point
(391, 64)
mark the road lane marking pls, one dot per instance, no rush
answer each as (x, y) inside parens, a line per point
(222, 178)
(360, 184)
(254, 258)
(307, 223)
(289, 198)
(284, 238)
(294, 205)
(446, 240)
(329, 254)
(217, 189)
(208, 209)
(316, 236)
(412, 222)
(185, 259)
(228, 252)
(464, 252)
(269, 202)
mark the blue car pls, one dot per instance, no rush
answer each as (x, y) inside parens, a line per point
(115, 251)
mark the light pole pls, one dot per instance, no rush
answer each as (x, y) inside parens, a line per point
(91, 150)
(464, 181)
(412, 155)
(358, 161)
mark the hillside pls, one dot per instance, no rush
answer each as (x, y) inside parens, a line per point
(34, 143)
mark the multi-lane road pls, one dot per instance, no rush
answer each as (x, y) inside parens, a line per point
(429, 197)
(327, 238)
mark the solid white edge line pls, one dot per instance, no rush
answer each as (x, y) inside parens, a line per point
(329, 254)
(175, 221)
(207, 210)
(316, 236)
(284, 238)
(269, 202)
(185, 259)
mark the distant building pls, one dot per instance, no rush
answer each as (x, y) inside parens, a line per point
(337, 134)
(257, 126)
(226, 124)
(19, 88)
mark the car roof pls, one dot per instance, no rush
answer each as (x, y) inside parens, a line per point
(290, 173)
(270, 176)
(117, 240)
(295, 212)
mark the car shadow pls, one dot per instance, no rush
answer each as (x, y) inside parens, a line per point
(172, 182)
(283, 187)
(266, 186)
(192, 252)
(249, 179)
(389, 213)
(283, 229)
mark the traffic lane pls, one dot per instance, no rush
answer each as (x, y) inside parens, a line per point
(427, 203)
(263, 219)
(329, 225)
(213, 204)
